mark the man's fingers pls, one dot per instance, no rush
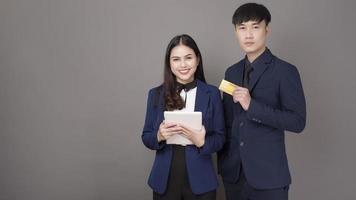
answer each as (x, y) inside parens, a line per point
(240, 93)
(240, 89)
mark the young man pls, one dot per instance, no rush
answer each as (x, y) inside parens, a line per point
(268, 101)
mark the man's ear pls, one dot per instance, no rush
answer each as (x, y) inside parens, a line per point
(268, 29)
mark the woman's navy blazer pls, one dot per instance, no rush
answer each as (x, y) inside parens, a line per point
(200, 169)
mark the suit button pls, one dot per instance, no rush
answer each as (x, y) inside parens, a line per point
(241, 124)
(242, 144)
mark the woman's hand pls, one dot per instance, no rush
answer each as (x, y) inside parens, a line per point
(167, 130)
(196, 136)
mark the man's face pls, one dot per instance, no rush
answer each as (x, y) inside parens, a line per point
(252, 36)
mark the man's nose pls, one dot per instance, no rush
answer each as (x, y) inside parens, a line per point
(249, 34)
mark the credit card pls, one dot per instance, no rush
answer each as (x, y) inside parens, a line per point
(227, 87)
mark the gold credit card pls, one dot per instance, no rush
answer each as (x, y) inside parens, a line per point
(227, 87)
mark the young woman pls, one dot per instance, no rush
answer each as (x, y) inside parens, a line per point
(183, 172)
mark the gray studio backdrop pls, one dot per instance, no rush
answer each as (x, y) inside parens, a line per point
(74, 76)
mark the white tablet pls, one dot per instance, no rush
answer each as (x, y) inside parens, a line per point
(190, 119)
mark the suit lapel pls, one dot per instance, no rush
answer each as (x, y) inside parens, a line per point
(161, 107)
(238, 74)
(259, 68)
(202, 98)
(256, 74)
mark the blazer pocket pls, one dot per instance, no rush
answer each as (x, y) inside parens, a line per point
(264, 87)
(266, 84)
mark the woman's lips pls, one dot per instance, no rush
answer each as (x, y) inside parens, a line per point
(184, 71)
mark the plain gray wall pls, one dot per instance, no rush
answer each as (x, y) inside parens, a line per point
(74, 77)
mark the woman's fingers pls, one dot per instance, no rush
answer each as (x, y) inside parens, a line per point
(169, 124)
(166, 132)
(173, 129)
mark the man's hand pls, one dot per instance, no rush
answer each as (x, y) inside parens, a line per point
(242, 95)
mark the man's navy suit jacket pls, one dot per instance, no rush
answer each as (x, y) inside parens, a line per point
(255, 138)
(200, 169)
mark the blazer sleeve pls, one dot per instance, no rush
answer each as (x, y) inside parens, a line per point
(149, 133)
(215, 139)
(291, 115)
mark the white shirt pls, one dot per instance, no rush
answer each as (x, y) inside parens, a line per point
(191, 96)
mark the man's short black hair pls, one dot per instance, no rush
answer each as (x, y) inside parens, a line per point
(251, 12)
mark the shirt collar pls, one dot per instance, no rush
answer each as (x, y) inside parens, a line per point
(260, 59)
